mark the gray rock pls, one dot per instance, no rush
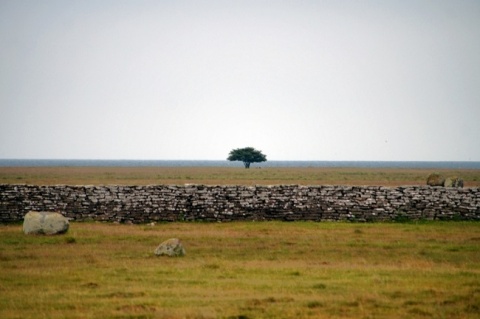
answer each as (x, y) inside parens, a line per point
(171, 247)
(449, 182)
(47, 223)
(453, 182)
(459, 183)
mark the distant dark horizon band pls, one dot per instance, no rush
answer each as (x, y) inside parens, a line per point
(225, 163)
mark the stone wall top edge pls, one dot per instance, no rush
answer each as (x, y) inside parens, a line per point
(344, 187)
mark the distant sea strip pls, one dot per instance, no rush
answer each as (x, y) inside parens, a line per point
(225, 163)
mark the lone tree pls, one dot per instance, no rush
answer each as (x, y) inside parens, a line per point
(247, 155)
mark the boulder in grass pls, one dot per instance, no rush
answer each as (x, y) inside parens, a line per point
(45, 223)
(171, 247)
(435, 179)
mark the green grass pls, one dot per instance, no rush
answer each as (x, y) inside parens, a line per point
(244, 270)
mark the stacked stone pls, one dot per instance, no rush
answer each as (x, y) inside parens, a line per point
(143, 204)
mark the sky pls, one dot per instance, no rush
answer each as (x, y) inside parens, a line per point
(299, 80)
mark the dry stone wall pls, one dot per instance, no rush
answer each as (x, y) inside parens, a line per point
(142, 204)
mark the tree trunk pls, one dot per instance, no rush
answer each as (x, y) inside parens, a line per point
(247, 164)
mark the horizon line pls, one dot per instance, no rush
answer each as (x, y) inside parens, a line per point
(225, 160)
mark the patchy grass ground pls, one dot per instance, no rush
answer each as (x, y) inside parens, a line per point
(244, 270)
(241, 270)
(226, 175)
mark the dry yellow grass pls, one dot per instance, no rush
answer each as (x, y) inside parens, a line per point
(241, 270)
(226, 175)
(244, 270)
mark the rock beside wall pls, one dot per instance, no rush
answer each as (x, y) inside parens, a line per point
(435, 179)
(453, 182)
(45, 223)
(142, 204)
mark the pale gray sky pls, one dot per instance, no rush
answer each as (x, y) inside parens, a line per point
(299, 80)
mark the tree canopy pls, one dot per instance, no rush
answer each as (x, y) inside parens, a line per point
(247, 155)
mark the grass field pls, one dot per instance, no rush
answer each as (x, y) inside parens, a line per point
(243, 270)
(226, 175)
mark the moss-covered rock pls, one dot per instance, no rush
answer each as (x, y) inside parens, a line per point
(435, 179)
